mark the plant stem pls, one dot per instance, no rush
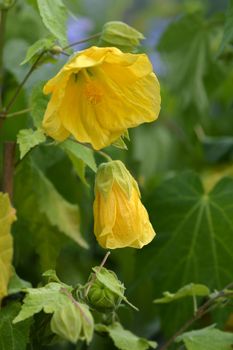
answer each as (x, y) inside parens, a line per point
(8, 167)
(9, 115)
(94, 275)
(2, 35)
(105, 155)
(94, 36)
(18, 90)
(201, 311)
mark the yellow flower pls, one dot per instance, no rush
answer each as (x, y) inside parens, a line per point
(120, 219)
(99, 94)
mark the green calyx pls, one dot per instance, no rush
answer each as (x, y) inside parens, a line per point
(121, 35)
(114, 172)
(102, 298)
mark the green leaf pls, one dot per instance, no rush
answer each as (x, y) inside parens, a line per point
(38, 103)
(48, 243)
(52, 276)
(71, 320)
(121, 35)
(228, 28)
(11, 61)
(54, 16)
(40, 45)
(16, 284)
(67, 323)
(190, 290)
(13, 336)
(194, 240)
(79, 167)
(109, 279)
(207, 338)
(40, 193)
(123, 339)
(81, 152)
(28, 139)
(217, 149)
(185, 47)
(48, 298)
(7, 217)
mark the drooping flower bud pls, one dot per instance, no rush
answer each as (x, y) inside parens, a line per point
(120, 218)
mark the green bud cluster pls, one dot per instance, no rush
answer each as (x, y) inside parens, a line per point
(104, 298)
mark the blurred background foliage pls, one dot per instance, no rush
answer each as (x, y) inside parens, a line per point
(176, 160)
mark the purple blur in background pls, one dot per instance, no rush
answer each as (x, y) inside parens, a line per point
(79, 28)
(153, 35)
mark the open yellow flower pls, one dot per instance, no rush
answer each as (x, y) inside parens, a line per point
(99, 94)
(120, 219)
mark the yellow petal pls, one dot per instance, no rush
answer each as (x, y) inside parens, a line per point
(125, 105)
(105, 219)
(52, 122)
(79, 116)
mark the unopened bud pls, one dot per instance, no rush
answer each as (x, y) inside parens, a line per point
(56, 50)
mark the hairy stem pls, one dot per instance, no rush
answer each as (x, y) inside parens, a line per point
(9, 115)
(94, 36)
(94, 275)
(8, 167)
(18, 90)
(105, 155)
(201, 311)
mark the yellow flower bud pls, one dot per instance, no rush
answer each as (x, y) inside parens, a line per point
(99, 94)
(120, 219)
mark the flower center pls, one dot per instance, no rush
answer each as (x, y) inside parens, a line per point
(93, 92)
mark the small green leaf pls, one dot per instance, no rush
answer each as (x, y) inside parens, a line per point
(76, 150)
(13, 336)
(71, 320)
(123, 339)
(28, 139)
(54, 15)
(52, 276)
(109, 279)
(48, 298)
(39, 46)
(38, 103)
(208, 339)
(67, 323)
(121, 35)
(191, 290)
